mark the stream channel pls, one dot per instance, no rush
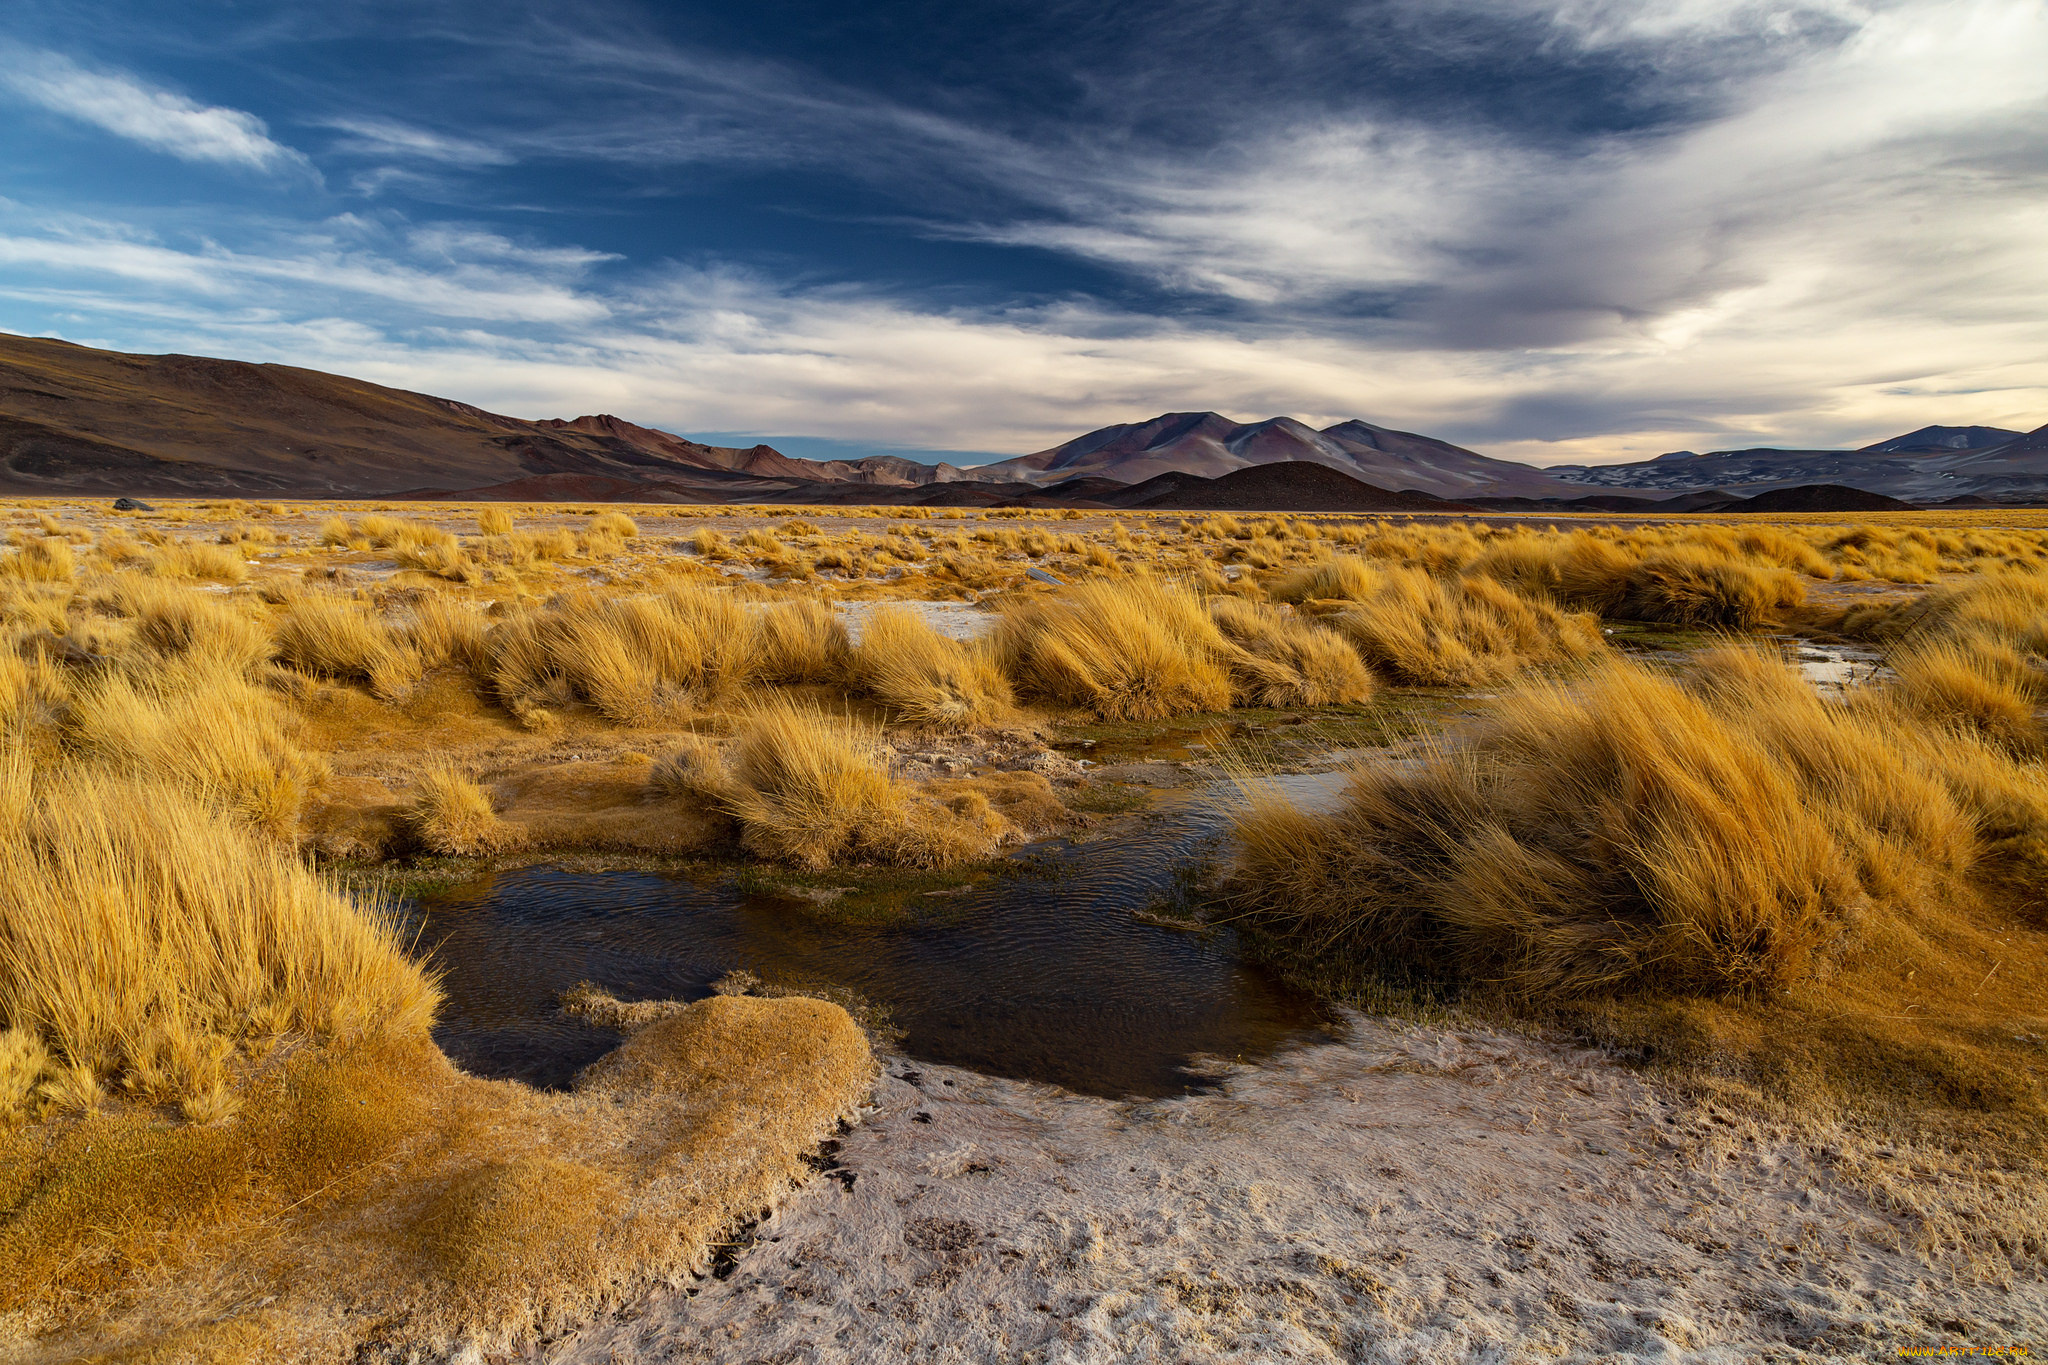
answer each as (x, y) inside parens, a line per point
(1049, 976)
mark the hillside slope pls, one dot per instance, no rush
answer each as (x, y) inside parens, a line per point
(78, 420)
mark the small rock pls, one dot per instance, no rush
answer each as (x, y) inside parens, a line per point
(1048, 762)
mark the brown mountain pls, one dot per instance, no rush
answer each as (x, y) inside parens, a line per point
(78, 420)
(1209, 444)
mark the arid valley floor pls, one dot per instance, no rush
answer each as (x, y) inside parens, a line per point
(1646, 919)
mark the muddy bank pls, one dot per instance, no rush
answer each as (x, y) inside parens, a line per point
(1407, 1194)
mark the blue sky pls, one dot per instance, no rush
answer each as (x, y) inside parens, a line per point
(1549, 229)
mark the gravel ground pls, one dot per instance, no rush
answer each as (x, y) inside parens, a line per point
(1404, 1194)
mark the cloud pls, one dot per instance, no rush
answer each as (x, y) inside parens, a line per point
(1835, 240)
(159, 119)
(384, 137)
(540, 332)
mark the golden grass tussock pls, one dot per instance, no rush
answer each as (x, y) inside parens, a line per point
(1459, 632)
(923, 676)
(637, 660)
(45, 559)
(813, 789)
(337, 637)
(494, 521)
(617, 525)
(1283, 660)
(1984, 685)
(1339, 576)
(200, 725)
(1127, 649)
(2003, 606)
(802, 640)
(194, 559)
(1729, 832)
(145, 940)
(179, 623)
(448, 632)
(450, 814)
(1701, 581)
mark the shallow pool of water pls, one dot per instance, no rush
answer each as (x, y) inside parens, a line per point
(1048, 977)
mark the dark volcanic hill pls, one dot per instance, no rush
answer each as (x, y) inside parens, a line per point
(78, 420)
(1208, 444)
(1288, 486)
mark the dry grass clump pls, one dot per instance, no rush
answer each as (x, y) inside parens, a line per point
(617, 525)
(814, 790)
(194, 559)
(494, 521)
(1283, 660)
(178, 623)
(1693, 586)
(1701, 581)
(802, 641)
(199, 724)
(450, 814)
(1128, 649)
(924, 676)
(1459, 632)
(1340, 576)
(448, 632)
(144, 942)
(46, 559)
(637, 660)
(336, 637)
(1730, 832)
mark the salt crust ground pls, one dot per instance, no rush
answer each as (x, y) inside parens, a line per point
(1406, 1194)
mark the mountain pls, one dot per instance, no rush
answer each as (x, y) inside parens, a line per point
(78, 420)
(1933, 439)
(1932, 464)
(74, 420)
(1207, 444)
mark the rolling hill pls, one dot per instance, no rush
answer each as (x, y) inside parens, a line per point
(78, 420)
(74, 420)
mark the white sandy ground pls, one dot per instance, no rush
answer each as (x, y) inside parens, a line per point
(1408, 1194)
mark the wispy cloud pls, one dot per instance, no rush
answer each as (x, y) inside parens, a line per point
(162, 120)
(389, 138)
(1836, 239)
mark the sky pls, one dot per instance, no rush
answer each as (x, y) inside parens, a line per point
(1550, 230)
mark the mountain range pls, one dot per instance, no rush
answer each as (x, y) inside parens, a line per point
(74, 420)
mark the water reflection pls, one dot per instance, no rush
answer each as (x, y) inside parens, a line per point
(1048, 978)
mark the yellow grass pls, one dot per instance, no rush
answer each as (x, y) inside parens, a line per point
(450, 814)
(47, 559)
(1283, 660)
(925, 677)
(1457, 632)
(1135, 649)
(144, 941)
(636, 660)
(200, 725)
(802, 641)
(494, 521)
(1719, 834)
(812, 789)
(191, 559)
(335, 637)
